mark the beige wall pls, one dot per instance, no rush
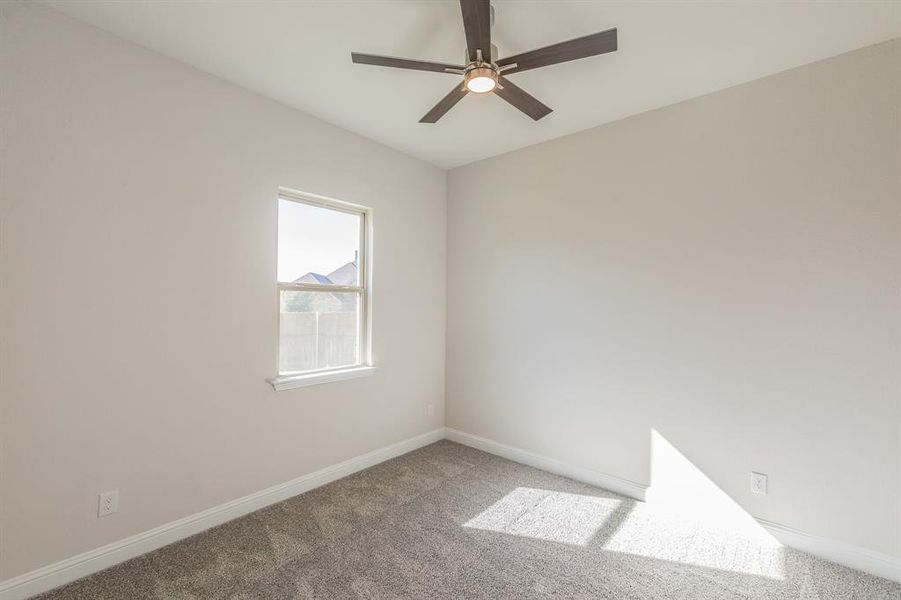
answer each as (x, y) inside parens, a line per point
(725, 271)
(137, 265)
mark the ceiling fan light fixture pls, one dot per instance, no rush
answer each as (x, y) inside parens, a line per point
(481, 80)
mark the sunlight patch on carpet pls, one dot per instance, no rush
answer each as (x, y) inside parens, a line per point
(547, 515)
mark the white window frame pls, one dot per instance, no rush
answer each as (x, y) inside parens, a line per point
(364, 366)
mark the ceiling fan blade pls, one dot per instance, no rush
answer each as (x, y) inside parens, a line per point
(402, 63)
(583, 47)
(477, 24)
(521, 99)
(447, 103)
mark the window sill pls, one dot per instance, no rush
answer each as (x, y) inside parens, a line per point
(290, 382)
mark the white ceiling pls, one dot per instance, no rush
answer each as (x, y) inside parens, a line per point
(298, 52)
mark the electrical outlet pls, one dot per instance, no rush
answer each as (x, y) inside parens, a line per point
(759, 483)
(430, 410)
(108, 503)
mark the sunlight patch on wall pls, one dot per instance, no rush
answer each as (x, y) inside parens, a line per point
(688, 519)
(678, 485)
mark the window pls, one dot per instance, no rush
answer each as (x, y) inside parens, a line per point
(322, 290)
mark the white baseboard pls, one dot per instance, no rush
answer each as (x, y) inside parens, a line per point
(855, 557)
(81, 565)
(558, 467)
(848, 555)
(76, 567)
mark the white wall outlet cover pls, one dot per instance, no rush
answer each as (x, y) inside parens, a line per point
(430, 410)
(759, 483)
(108, 503)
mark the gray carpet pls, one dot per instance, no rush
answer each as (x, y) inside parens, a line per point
(447, 521)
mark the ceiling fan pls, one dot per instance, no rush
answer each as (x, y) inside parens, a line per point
(483, 73)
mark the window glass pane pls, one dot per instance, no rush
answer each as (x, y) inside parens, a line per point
(317, 245)
(319, 330)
